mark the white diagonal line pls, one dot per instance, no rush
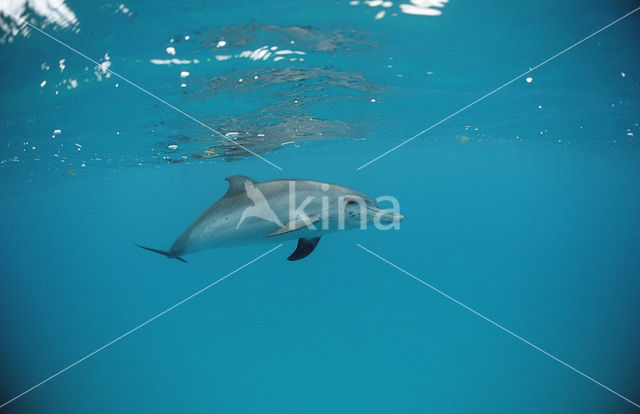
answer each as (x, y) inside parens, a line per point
(497, 325)
(139, 326)
(496, 90)
(135, 85)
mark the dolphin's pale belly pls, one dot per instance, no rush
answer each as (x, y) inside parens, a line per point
(227, 233)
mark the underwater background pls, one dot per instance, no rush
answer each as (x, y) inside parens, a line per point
(524, 207)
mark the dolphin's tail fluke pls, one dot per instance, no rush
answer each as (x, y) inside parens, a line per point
(162, 252)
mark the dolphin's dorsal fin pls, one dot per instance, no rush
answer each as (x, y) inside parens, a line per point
(236, 184)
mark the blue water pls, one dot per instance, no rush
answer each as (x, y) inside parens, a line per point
(524, 207)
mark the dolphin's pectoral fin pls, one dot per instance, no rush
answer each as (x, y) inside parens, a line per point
(295, 225)
(304, 249)
(236, 183)
(163, 252)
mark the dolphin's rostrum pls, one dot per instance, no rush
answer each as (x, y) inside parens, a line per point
(253, 213)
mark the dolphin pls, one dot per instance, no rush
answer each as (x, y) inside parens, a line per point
(272, 211)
